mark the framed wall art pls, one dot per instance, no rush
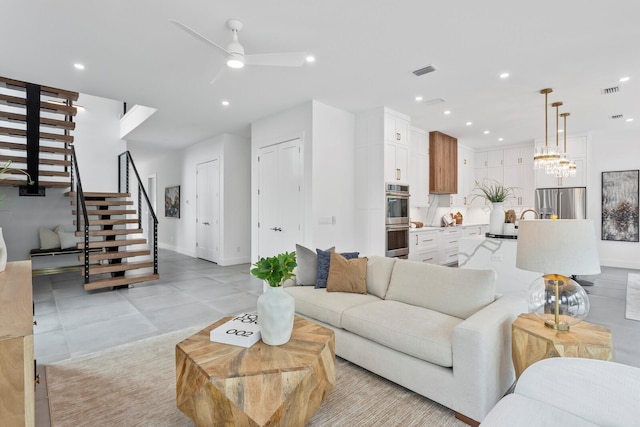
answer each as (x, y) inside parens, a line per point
(620, 206)
(172, 202)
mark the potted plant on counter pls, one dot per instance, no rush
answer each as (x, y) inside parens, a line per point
(495, 193)
(276, 308)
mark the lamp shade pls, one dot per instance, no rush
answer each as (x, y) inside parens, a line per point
(562, 246)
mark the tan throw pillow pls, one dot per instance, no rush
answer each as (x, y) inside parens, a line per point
(347, 275)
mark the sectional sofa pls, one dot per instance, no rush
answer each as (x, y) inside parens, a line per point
(438, 331)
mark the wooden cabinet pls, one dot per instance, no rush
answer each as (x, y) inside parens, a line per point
(443, 163)
(16, 346)
(419, 168)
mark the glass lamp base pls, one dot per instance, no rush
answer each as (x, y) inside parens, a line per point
(561, 326)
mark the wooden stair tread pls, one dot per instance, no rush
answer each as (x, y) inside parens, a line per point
(116, 232)
(41, 172)
(119, 281)
(104, 202)
(112, 268)
(113, 243)
(43, 148)
(99, 194)
(14, 182)
(44, 105)
(42, 135)
(115, 255)
(15, 117)
(108, 212)
(42, 161)
(120, 221)
(45, 90)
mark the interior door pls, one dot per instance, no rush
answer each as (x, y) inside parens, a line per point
(208, 210)
(279, 198)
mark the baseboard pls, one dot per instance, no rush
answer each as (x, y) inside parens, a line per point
(234, 261)
(467, 420)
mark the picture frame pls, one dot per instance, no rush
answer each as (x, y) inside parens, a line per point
(620, 206)
(172, 202)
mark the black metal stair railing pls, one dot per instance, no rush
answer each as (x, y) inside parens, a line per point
(81, 209)
(124, 160)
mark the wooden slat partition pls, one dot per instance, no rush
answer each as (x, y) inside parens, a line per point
(15, 117)
(46, 90)
(52, 107)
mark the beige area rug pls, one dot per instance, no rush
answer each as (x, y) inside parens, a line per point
(134, 385)
(633, 297)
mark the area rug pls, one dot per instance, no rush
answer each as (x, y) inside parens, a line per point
(633, 297)
(134, 385)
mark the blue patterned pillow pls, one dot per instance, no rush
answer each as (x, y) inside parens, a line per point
(324, 261)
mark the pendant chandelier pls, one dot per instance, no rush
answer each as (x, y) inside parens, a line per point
(567, 168)
(545, 157)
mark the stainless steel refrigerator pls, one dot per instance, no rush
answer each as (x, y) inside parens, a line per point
(567, 202)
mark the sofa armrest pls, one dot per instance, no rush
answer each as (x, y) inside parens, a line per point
(612, 388)
(482, 365)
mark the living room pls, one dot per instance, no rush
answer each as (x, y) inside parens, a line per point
(269, 105)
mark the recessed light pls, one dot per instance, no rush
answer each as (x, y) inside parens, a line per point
(630, 119)
(486, 132)
(469, 123)
(447, 112)
(624, 79)
(500, 139)
(310, 58)
(560, 130)
(78, 66)
(225, 103)
(504, 75)
(418, 98)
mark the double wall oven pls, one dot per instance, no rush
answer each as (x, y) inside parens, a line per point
(397, 220)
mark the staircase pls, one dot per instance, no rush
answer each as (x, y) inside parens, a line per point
(109, 224)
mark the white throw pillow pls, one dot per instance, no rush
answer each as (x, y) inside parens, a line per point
(49, 239)
(67, 240)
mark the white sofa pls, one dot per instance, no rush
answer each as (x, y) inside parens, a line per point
(571, 392)
(438, 331)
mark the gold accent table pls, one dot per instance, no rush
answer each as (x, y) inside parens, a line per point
(533, 341)
(224, 385)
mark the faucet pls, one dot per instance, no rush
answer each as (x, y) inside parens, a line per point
(530, 210)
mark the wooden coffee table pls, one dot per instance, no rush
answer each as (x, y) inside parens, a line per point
(219, 384)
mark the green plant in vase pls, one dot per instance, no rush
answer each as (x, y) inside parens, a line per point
(493, 191)
(275, 270)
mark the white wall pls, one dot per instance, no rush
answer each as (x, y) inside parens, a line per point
(179, 168)
(328, 150)
(611, 151)
(97, 147)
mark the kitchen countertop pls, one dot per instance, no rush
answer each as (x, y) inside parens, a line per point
(431, 228)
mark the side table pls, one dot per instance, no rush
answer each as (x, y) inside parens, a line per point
(533, 341)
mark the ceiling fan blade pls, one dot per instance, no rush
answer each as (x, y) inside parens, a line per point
(199, 36)
(291, 59)
(218, 74)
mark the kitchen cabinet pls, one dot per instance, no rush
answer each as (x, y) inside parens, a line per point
(443, 163)
(419, 167)
(396, 128)
(396, 162)
(424, 246)
(466, 177)
(16, 345)
(576, 151)
(449, 245)
(495, 158)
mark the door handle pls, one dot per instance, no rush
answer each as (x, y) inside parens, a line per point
(205, 223)
(276, 229)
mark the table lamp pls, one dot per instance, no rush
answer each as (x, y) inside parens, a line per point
(558, 249)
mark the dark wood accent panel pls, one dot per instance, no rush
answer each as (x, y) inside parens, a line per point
(443, 163)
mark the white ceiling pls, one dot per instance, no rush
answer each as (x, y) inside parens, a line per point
(365, 53)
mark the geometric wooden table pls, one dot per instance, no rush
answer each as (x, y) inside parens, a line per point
(532, 341)
(219, 384)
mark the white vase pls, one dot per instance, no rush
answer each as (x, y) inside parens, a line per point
(276, 310)
(496, 218)
(3, 252)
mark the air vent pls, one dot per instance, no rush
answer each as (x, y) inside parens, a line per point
(434, 101)
(610, 90)
(426, 70)
(616, 116)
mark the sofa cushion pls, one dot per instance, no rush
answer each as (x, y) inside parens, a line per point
(454, 291)
(326, 306)
(347, 275)
(324, 262)
(379, 270)
(416, 331)
(307, 269)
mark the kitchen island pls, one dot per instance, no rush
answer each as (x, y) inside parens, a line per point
(498, 254)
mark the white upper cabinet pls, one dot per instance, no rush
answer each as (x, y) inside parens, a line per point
(495, 158)
(396, 129)
(396, 147)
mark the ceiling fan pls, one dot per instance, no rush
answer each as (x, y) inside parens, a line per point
(234, 52)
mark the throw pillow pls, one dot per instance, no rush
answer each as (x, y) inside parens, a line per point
(347, 275)
(49, 239)
(67, 240)
(307, 270)
(324, 261)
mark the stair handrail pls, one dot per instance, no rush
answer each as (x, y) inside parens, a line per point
(123, 187)
(80, 206)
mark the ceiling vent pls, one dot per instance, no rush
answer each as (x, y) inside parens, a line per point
(610, 90)
(434, 101)
(426, 70)
(616, 116)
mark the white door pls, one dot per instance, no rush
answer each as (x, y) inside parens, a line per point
(208, 210)
(279, 198)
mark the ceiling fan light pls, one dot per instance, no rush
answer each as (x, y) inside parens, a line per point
(235, 61)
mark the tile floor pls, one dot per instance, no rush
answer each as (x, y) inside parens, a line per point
(194, 292)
